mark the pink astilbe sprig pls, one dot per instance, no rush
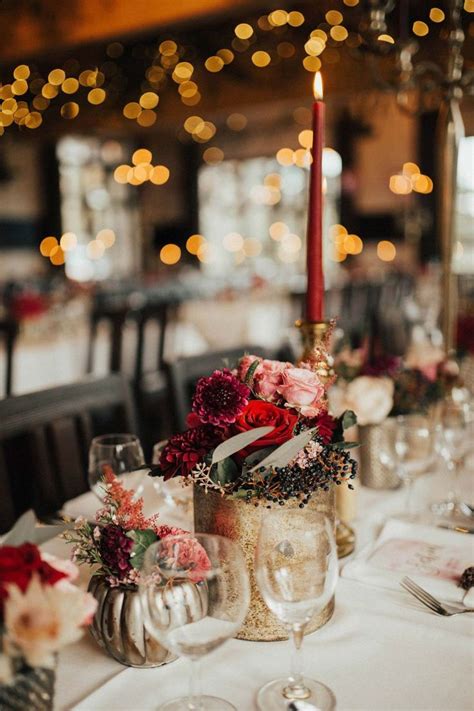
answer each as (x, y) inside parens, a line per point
(120, 507)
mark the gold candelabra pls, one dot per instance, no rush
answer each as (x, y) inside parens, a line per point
(316, 336)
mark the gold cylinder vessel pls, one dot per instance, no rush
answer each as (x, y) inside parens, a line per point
(240, 521)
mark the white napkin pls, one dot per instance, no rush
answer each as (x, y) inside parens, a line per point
(28, 529)
(433, 557)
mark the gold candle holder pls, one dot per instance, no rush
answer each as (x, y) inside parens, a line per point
(315, 336)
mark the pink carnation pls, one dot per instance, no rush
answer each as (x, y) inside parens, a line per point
(302, 390)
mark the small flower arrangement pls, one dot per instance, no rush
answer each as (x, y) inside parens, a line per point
(261, 432)
(41, 611)
(382, 386)
(116, 542)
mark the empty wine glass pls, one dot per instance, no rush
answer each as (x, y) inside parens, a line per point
(456, 437)
(408, 447)
(296, 568)
(174, 492)
(121, 453)
(195, 593)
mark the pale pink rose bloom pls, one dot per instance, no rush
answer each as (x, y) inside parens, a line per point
(268, 377)
(244, 365)
(303, 390)
(44, 619)
(371, 399)
(425, 357)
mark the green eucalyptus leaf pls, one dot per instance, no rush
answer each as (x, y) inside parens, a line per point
(142, 540)
(224, 472)
(349, 419)
(344, 445)
(240, 494)
(235, 444)
(251, 372)
(287, 451)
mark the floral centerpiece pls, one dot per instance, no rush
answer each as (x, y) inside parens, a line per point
(41, 611)
(377, 387)
(387, 386)
(114, 545)
(259, 436)
(262, 433)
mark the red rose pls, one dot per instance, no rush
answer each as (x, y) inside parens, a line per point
(18, 564)
(264, 414)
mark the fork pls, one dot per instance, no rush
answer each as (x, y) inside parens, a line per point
(426, 599)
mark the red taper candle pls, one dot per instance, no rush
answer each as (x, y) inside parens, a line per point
(314, 240)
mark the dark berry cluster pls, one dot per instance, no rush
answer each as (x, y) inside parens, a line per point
(467, 579)
(279, 484)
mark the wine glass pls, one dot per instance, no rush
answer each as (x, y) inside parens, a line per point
(408, 447)
(195, 593)
(456, 436)
(123, 454)
(174, 492)
(296, 568)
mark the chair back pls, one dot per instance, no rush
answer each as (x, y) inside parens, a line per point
(118, 317)
(184, 372)
(8, 334)
(44, 441)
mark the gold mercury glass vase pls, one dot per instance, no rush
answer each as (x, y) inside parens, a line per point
(240, 521)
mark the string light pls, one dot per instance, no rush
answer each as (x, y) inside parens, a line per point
(107, 237)
(261, 59)
(68, 242)
(170, 254)
(420, 28)
(436, 14)
(243, 31)
(47, 245)
(386, 251)
(194, 242)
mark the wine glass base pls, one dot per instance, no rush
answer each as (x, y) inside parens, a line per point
(271, 697)
(208, 703)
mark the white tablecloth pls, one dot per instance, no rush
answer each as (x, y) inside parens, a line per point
(380, 652)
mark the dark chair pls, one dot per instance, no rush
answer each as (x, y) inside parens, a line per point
(184, 372)
(149, 385)
(8, 334)
(44, 441)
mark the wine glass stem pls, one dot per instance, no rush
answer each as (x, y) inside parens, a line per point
(409, 496)
(296, 688)
(195, 693)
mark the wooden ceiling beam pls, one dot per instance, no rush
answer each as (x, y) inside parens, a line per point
(35, 29)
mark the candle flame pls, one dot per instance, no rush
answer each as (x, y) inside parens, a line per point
(318, 86)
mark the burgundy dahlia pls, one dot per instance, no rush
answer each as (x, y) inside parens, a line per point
(115, 548)
(184, 451)
(220, 398)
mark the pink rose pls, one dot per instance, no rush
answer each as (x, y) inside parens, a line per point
(303, 390)
(268, 378)
(244, 365)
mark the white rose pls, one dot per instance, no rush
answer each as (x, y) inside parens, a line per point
(371, 399)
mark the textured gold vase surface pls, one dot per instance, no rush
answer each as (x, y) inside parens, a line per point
(118, 627)
(373, 473)
(240, 521)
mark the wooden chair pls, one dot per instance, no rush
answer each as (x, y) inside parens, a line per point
(149, 385)
(8, 334)
(44, 441)
(184, 372)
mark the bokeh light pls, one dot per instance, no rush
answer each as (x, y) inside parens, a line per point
(170, 254)
(386, 251)
(194, 242)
